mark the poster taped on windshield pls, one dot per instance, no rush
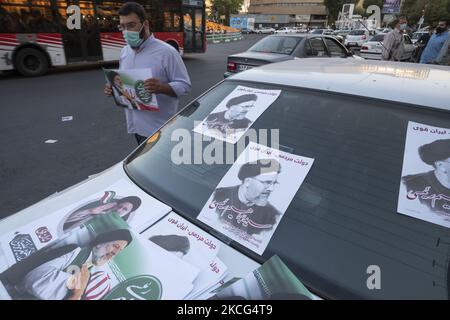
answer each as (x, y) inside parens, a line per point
(425, 183)
(103, 259)
(231, 119)
(137, 208)
(128, 89)
(254, 194)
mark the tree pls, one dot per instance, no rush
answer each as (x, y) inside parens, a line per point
(227, 8)
(436, 10)
(368, 3)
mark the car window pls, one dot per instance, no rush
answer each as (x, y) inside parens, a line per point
(378, 38)
(316, 48)
(407, 39)
(334, 48)
(277, 44)
(343, 218)
(357, 33)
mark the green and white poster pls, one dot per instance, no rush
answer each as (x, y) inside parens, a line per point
(128, 89)
(102, 259)
(272, 281)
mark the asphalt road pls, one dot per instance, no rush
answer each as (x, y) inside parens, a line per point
(31, 110)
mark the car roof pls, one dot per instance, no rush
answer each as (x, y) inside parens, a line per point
(303, 35)
(419, 84)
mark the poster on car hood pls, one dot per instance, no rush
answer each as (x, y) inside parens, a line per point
(254, 194)
(272, 281)
(193, 245)
(425, 183)
(136, 207)
(101, 259)
(128, 88)
(231, 119)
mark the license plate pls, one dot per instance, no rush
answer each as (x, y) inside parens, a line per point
(352, 43)
(243, 67)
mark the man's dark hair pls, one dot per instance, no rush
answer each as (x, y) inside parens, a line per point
(444, 20)
(133, 7)
(394, 23)
(240, 99)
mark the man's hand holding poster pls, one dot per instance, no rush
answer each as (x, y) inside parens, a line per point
(128, 89)
(254, 194)
(236, 113)
(425, 184)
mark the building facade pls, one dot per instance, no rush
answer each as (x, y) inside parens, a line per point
(311, 13)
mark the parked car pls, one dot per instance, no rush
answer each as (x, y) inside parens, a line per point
(356, 38)
(286, 30)
(265, 30)
(322, 31)
(278, 48)
(417, 35)
(342, 223)
(373, 48)
(247, 31)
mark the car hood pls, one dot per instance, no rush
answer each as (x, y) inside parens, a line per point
(258, 57)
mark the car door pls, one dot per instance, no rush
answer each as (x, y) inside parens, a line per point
(409, 48)
(315, 48)
(335, 49)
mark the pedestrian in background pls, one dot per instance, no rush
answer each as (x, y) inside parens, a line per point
(393, 43)
(170, 79)
(437, 47)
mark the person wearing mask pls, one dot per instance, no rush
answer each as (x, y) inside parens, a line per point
(169, 81)
(394, 44)
(434, 52)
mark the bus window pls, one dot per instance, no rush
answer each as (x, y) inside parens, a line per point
(14, 19)
(108, 18)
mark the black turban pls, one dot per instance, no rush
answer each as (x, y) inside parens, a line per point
(116, 235)
(250, 170)
(436, 151)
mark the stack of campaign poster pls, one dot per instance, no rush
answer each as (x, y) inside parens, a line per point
(272, 281)
(102, 259)
(192, 245)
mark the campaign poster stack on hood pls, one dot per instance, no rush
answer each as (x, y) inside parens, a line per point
(191, 244)
(101, 259)
(128, 201)
(272, 281)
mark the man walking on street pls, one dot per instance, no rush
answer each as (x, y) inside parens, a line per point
(393, 44)
(437, 47)
(169, 81)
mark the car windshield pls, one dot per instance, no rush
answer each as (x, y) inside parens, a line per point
(417, 35)
(317, 31)
(343, 219)
(276, 44)
(357, 33)
(378, 37)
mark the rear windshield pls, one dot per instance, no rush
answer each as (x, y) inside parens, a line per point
(357, 33)
(276, 44)
(317, 31)
(343, 218)
(378, 37)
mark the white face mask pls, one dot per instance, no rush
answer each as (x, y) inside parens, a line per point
(403, 26)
